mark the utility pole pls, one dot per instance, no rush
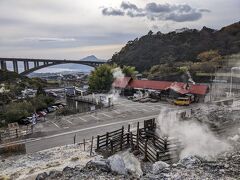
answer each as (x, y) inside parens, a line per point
(231, 83)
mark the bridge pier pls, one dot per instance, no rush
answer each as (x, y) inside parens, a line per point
(45, 62)
(15, 66)
(26, 65)
(3, 65)
(36, 63)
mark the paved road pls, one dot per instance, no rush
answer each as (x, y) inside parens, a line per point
(61, 130)
(67, 137)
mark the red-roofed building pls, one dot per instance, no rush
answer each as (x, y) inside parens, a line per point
(171, 89)
(147, 84)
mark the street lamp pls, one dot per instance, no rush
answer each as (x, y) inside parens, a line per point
(233, 68)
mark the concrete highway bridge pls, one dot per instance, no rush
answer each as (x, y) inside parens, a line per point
(41, 63)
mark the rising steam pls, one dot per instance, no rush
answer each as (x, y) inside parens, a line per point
(196, 138)
(115, 93)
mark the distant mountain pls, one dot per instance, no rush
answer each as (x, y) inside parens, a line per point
(92, 58)
(180, 45)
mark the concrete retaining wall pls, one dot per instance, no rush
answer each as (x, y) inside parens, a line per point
(13, 149)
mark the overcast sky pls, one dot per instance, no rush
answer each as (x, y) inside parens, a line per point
(73, 29)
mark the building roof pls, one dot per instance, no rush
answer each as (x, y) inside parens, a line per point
(121, 82)
(147, 84)
(179, 87)
(199, 89)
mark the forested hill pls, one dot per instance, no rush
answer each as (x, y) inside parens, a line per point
(180, 45)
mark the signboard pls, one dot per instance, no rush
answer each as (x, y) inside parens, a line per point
(92, 108)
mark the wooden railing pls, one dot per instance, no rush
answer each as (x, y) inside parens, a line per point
(146, 142)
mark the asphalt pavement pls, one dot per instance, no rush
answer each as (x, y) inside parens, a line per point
(60, 130)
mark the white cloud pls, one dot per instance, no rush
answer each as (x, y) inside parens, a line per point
(65, 24)
(154, 11)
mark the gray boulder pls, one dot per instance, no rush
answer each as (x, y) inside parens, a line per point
(190, 162)
(55, 174)
(98, 164)
(117, 164)
(159, 167)
(125, 163)
(41, 176)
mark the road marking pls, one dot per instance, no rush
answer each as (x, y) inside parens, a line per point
(94, 117)
(144, 110)
(82, 119)
(94, 127)
(154, 109)
(116, 111)
(65, 127)
(106, 115)
(69, 121)
(55, 124)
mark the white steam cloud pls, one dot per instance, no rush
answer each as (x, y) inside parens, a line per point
(117, 73)
(114, 93)
(196, 138)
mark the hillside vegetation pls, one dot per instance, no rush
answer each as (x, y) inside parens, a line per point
(154, 49)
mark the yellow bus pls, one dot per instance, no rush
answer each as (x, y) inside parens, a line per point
(182, 101)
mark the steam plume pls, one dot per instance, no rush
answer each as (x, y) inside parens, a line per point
(196, 138)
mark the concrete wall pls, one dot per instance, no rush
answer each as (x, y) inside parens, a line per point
(13, 149)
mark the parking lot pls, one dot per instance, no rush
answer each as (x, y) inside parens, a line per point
(123, 109)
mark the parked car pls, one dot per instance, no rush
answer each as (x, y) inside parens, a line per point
(45, 110)
(50, 109)
(143, 100)
(60, 106)
(130, 97)
(182, 101)
(26, 121)
(55, 108)
(41, 114)
(136, 99)
(53, 94)
(154, 100)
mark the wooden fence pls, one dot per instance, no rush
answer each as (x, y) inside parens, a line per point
(87, 100)
(12, 134)
(143, 140)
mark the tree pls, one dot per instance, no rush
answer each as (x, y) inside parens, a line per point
(41, 101)
(17, 111)
(101, 78)
(150, 33)
(129, 71)
(40, 90)
(208, 56)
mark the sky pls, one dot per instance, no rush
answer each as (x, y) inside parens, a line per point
(73, 29)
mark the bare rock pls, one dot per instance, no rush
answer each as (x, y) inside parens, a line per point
(117, 165)
(41, 176)
(55, 174)
(100, 164)
(159, 167)
(190, 162)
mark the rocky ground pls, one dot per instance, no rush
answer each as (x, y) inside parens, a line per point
(29, 165)
(226, 166)
(71, 162)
